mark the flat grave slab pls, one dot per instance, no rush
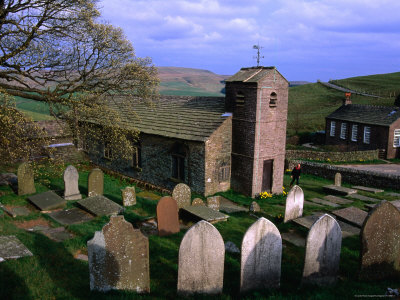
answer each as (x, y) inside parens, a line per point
(71, 216)
(348, 230)
(12, 248)
(307, 221)
(229, 207)
(364, 198)
(396, 203)
(204, 213)
(47, 201)
(339, 190)
(57, 234)
(100, 206)
(312, 204)
(393, 194)
(338, 200)
(324, 202)
(352, 215)
(367, 189)
(148, 195)
(294, 238)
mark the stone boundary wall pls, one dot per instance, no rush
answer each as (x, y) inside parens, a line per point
(352, 176)
(333, 156)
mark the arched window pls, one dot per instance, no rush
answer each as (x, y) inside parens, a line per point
(239, 100)
(273, 98)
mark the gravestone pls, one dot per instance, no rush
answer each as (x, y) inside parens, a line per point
(254, 207)
(198, 213)
(47, 201)
(26, 183)
(119, 258)
(201, 260)
(324, 202)
(12, 248)
(167, 216)
(367, 189)
(182, 195)
(95, 183)
(70, 216)
(364, 198)
(128, 196)
(229, 206)
(100, 206)
(198, 202)
(213, 202)
(71, 190)
(338, 179)
(352, 215)
(339, 190)
(261, 257)
(322, 257)
(337, 200)
(294, 204)
(380, 247)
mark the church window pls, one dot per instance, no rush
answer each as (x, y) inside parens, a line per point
(239, 101)
(178, 162)
(224, 173)
(273, 99)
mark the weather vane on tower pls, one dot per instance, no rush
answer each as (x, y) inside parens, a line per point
(258, 57)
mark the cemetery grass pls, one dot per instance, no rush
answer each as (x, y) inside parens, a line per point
(54, 273)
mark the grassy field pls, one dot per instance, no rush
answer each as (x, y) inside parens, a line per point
(54, 273)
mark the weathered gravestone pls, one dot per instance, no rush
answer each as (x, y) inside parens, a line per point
(71, 216)
(47, 201)
(198, 202)
(71, 188)
(254, 207)
(12, 248)
(294, 204)
(182, 195)
(128, 196)
(201, 260)
(261, 257)
(100, 206)
(26, 183)
(213, 202)
(167, 216)
(352, 215)
(338, 179)
(119, 258)
(95, 183)
(322, 258)
(380, 248)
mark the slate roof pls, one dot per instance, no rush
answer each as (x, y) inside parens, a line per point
(253, 74)
(188, 118)
(367, 114)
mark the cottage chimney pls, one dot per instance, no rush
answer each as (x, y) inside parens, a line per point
(347, 100)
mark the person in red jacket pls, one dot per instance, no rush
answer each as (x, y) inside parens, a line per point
(295, 174)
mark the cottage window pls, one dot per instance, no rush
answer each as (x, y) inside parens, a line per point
(333, 128)
(108, 153)
(343, 131)
(273, 99)
(239, 101)
(396, 139)
(178, 162)
(224, 172)
(367, 134)
(137, 157)
(354, 132)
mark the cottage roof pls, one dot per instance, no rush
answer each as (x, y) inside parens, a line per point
(188, 118)
(367, 114)
(253, 74)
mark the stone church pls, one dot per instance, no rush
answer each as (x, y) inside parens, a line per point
(210, 143)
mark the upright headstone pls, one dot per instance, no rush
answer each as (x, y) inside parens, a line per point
(261, 257)
(323, 245)
(182, 195)
(294, 204)
(128, 196)
(95, 183)
(254, 207)
(167, 216)
(338, 179)
(213, 202)
(71, 189)
(119, 258)
(380, 247)
(201, 260)
(26, 183)
(198, 202)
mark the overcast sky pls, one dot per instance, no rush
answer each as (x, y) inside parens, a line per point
(305, 40)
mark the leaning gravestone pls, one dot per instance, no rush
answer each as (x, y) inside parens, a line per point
(95, 183)
(26, 184)
(380, 247)
(119, 258)
(254, 207)
(261, 257)
(338, 179)
(167, 216)
(294, 204)
(213, 202)
(323, 245)
(71, 190)
(182, 195)
(197, 202)
(128, 196)
(201, 260)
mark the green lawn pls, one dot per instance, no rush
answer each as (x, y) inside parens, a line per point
(53, 273)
